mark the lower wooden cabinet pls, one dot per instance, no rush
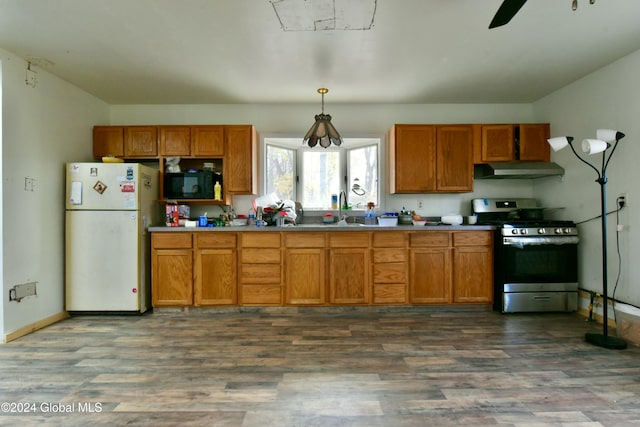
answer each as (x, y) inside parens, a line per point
(472, 280)
(349, 268)
(304, 268)
(215, 274)
(260, 268)
(171, 269)
(451, 267)
(389, 268)
(322, 268)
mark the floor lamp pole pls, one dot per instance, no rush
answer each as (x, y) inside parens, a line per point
(603, 339)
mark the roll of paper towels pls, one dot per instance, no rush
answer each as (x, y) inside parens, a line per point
(452, 219)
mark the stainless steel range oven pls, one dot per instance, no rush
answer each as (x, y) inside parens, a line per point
(536, 260)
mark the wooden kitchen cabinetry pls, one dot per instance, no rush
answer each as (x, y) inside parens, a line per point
(215, 281)
(172, 269)
(430, 268)
(129, 142)
(389, 260)
(260, 268)
(240, 160)
(304, 268)
(472, 275)
(322, 268)
(451, 267)
(513, 142)
(108, 141)
(201, 141)
(349, 268)
(431, 158)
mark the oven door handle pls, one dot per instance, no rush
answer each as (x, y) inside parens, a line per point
(540, 240)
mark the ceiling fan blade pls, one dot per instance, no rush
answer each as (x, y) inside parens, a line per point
(507, 10)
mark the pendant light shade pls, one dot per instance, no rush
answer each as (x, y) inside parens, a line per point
(322, 131)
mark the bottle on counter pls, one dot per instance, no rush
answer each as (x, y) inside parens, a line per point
(217, 191)
(370, 214)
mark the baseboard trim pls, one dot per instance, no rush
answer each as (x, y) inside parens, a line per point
(35, 326)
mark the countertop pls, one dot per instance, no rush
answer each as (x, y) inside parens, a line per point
(321, 227)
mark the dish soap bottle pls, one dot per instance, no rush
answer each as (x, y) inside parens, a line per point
(217, 191)
(370, 215)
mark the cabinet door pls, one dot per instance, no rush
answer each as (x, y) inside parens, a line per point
(472, 274)
(207, 141)
(172, 277)
(533, 142)
(215, 277)
(430, 275)
(349, 276)
(175, 140)
(498, 144)
(304, 276)
(454, 155)
(412, 159)
(108, 141)
(240, 173)
(140, 141)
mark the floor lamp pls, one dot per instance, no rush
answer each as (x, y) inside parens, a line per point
(606, 142)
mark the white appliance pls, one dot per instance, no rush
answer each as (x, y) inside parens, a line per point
(107, 250)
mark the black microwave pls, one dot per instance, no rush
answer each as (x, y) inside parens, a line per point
(189, 185)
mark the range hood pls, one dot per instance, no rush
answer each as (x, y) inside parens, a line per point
(517, 170)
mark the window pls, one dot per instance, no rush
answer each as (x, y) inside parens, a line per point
(312, 175)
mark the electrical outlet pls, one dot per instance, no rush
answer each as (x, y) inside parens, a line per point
(420, 204)
(623, 200)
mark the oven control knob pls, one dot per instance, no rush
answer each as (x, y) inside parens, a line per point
(558, 230)
(514, 231)
(523, 231)
(542, 231)
(567, 231)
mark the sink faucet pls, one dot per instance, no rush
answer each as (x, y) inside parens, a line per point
(343, 194)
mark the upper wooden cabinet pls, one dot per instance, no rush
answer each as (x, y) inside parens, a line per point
(513, 142)
(134, 142)
(175, 140)
(108, 141)
(431, 158)
(192, 141)
(140, 141)
(240, 159)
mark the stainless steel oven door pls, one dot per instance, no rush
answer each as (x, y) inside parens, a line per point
(549, 261)
(536, 274)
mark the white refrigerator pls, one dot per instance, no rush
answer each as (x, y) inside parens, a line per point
(109, 207)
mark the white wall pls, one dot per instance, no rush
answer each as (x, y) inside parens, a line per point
(608, 98)
(42, 128)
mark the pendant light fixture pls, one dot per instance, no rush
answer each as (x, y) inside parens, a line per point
(322, 130)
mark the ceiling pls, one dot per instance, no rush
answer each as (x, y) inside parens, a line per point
(236, 52)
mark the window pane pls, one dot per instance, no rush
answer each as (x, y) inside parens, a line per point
(280, 173)
(363, 172)
(320, 178)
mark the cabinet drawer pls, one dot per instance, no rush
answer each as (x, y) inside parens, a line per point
(260, 273)
(348, 240)
(429, 239)
(472, 238)
(389, 273)
(304, 240)
(389, 255)
(260, 240)
(216, 240)
(260, 256)
(171, 240)
(393, 293)
(389, 239)
(260, 294)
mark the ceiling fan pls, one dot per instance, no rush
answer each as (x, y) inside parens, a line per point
(509, 8)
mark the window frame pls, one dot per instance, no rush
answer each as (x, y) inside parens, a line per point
(349, 143)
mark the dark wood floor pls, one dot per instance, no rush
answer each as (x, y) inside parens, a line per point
(319, 367)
